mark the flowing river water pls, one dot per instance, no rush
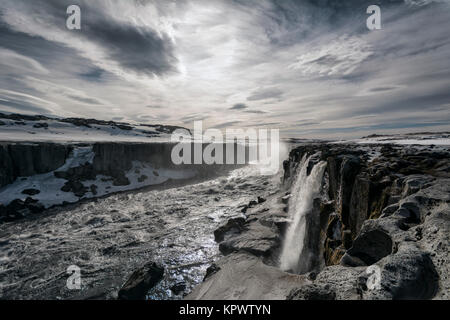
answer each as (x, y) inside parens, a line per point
(109, 238)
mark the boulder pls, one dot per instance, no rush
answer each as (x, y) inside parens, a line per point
(31, 192)
(372, 244)
(409, 275)
(141, 281)
(76, 187)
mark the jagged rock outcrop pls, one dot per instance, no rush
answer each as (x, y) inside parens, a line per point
(379, 231)
(141, 281)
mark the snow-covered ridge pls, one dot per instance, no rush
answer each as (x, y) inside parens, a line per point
(405, 139)
(15, 127)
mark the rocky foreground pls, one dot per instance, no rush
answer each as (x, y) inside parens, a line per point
(384, 206)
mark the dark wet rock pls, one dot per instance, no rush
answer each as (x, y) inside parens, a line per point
(34, 205)
(93, 189)
(178, 288)
(18, 209)
(31, 192)
(371, 245)
(82, 173)
(233, 226)
(121, 180)
(76, 187)
(212, 269)
(142, 178)
(347, 240)
(141, 281)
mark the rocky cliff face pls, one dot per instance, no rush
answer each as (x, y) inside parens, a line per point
(379, 230)
(37, 172)
(27, 159)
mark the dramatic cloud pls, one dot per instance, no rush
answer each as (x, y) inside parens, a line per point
(309, 67)
(239, 106)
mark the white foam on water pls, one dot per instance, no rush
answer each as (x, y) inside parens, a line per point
(305, 189)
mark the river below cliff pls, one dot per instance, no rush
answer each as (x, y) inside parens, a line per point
(109, 238)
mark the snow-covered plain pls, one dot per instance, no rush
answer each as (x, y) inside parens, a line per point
(58, 131)
(438, 139)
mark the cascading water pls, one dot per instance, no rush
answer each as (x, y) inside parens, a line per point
(305, 189)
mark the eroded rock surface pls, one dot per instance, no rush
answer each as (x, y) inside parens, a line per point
(380, 230)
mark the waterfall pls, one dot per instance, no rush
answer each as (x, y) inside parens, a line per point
(305, 189)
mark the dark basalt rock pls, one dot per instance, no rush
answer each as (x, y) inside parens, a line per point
(141, 281)
(19, 209)
(178, 287)
(120, 180)
(142, 178)
(212, 269)
(233, 226)
(76, 187)
(93, 189)
(371, 246)
(81, 173)
(312, 292)
(409, 275)
(23, 160)
(31, 192)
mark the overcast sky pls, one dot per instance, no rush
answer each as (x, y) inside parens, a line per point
(310, 67)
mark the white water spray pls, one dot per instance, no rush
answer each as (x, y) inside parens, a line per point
(304, 191)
